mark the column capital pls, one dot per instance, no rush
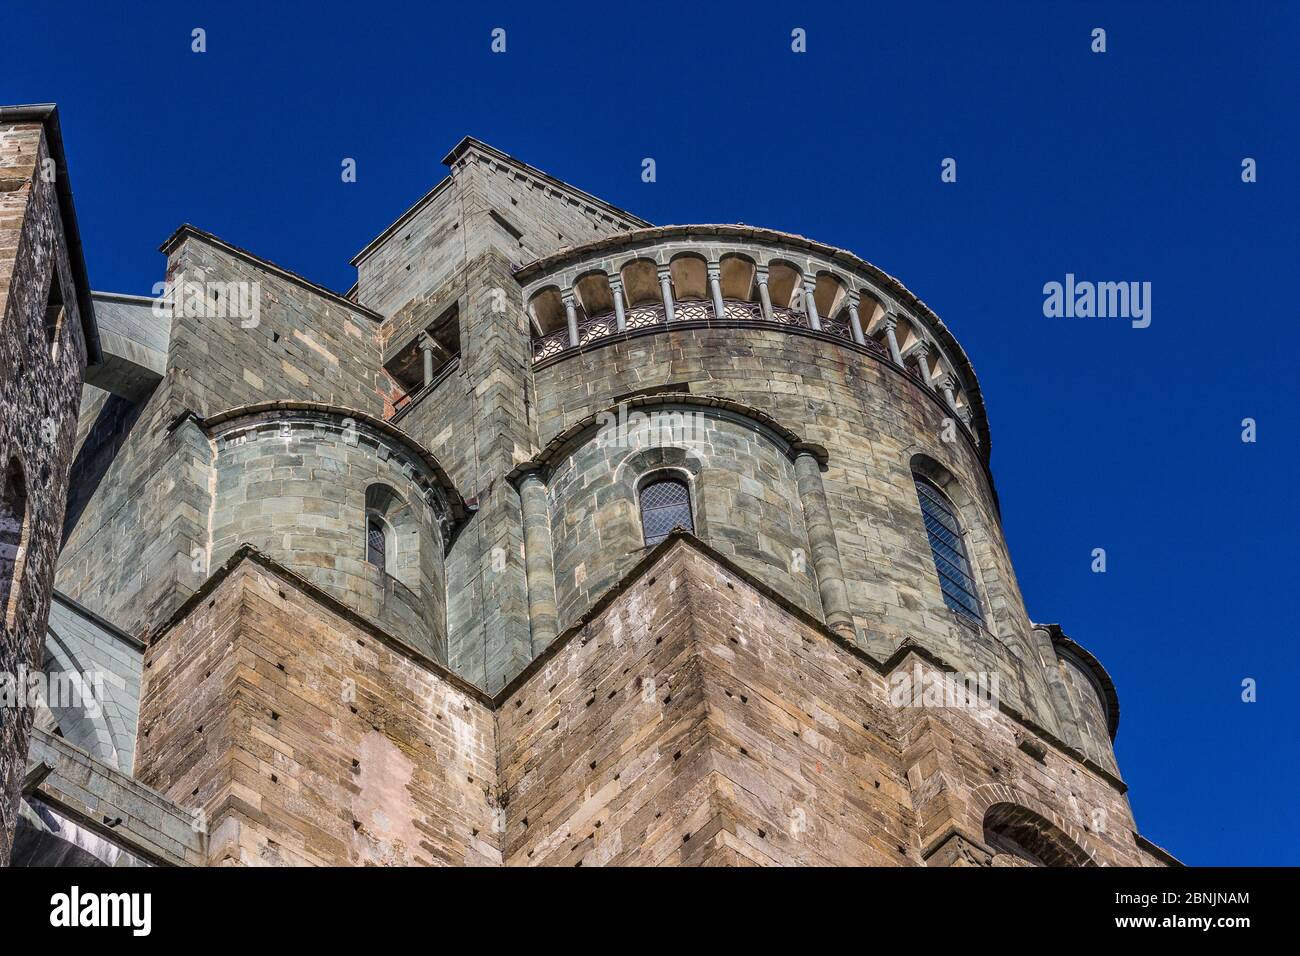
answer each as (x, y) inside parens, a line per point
(424, 341)
(760, 275)
(714, 270)
(566, 296)
(615, 282)
(948, 381)
(529, 476)
(665, 272)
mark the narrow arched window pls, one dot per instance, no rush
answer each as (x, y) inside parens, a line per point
(13, 538)
(665, 504)
(377, 542)
(949, 552)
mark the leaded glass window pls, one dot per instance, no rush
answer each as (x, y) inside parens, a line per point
(665, 504)
(949, 552)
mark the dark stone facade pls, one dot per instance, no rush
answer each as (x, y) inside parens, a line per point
(43, 356)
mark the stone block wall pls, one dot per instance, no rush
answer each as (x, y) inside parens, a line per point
(479, 423)
(307, 344)
(1093, 735)
(489, 202)
(299, 486)
(745, 501)
(695, 722)
(43, 355)
(880, 429)
(699, 718)
(307, 738)
(143, 508)
(694, 717)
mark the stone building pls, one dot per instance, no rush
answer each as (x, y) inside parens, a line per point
(559, 538)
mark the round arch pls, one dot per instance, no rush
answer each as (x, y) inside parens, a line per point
(1015, 829)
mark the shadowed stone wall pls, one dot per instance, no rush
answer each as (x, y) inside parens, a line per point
(144, 507)
(478, 422)
(77, 644)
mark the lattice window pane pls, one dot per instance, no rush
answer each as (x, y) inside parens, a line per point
(665, 505)
(949, 552)
(376, 543)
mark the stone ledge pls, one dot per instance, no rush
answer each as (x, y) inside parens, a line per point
(86, 791)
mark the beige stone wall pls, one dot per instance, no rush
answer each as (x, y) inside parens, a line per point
(696, 722)
(695, 718)
(307, 740)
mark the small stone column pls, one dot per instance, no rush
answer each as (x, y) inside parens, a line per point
(947, 386)
(666, 289)
(825, 548)
(715, 289)
(764, 294)
(890, 323)
(855, 321)
(571, 315)
(920, 351)
(620, 310)
(810, 304)
(539, 560)
(426, 347)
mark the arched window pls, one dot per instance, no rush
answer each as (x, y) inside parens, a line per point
(665, 504)
(949, 552)
(13, 539)
(377, 542)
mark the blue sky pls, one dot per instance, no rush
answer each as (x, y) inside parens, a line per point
(1122, 166)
